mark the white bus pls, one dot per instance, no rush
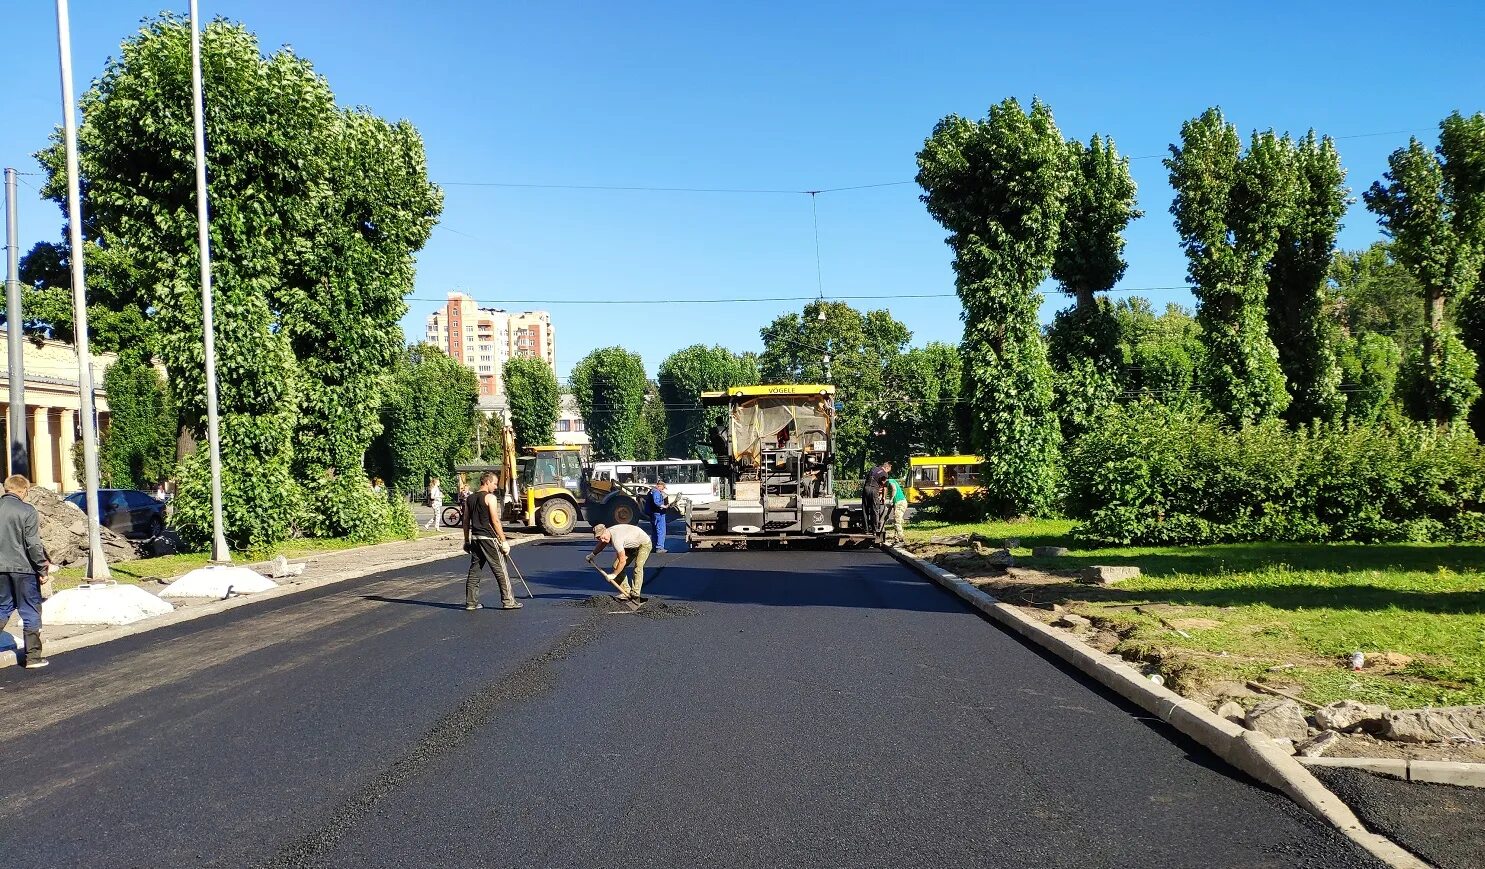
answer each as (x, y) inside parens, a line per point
(683, 478)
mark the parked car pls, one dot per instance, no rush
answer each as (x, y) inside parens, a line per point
(128, 512)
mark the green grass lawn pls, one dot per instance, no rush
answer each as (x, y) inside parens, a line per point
(167, 566)
(1301, 608)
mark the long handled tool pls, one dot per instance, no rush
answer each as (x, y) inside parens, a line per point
(609, 579)
(512, 561)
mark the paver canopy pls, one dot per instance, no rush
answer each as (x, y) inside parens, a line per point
(795, 422)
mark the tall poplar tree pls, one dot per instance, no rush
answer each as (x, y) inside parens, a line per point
(1000, 187)
(1228, 210)
(1432, 204)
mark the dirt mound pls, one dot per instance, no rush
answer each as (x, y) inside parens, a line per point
(64, 531)
(665, 610)
(600, 602)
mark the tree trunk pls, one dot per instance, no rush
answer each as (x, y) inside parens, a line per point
(1433, 342)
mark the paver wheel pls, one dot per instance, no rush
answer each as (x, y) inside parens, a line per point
(557, 518)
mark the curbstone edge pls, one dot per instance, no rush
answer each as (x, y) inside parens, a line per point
(1249, 751)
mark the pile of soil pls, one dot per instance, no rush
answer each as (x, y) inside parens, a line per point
(665, 610)
(64, 531)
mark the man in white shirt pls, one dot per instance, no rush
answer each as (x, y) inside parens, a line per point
(632, 549)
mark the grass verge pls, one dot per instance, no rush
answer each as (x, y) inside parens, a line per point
(1289, 614)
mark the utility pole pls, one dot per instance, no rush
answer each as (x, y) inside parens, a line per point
(220, 554)
(15, 424)
(97, 566)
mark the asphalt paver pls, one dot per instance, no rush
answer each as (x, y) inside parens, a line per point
(786, 709)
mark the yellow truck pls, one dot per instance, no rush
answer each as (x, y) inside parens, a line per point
(929, 475)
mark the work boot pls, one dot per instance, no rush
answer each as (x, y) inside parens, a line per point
(473, 606)
(513, 605)
(34, 659)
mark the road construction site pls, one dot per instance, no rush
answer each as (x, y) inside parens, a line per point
(797, 708)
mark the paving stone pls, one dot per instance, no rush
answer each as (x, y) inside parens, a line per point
(1049, 551)
(1108, 574)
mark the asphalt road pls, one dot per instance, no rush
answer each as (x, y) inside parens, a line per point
(794, 709)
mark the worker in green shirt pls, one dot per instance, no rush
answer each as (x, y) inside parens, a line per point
(898, 504)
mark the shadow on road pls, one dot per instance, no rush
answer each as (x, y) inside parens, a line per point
(414, 601)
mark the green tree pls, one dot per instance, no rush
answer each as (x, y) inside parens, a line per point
(1369, 364)
(489, 434)
(340, 299)
(920, 393)
(1161, 354)
(684, 375)
(1229, 209)
(1432, 206)
(428, 417)
(858, 345)
(535, 400)
(1100, 206)
(316, 213)
(649, 434)
(138, 448)
(1000, 187)
(610, 385)
(1298, 322)
(1371, 292)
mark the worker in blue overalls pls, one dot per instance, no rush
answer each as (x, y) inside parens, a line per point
(655, 503)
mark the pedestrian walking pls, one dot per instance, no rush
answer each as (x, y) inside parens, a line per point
(23, 561)
(656, 500)
(871, 496)
(897, 507)
(435, 500)
(484, 540)
(632, 549)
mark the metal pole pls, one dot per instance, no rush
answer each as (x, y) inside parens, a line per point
(220, 554)
(97, 566)
(20, 456)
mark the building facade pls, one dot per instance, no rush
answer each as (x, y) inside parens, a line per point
(51, 395)
(485, 338)
(570, 430)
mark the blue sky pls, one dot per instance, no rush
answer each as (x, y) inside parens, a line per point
(791, 96)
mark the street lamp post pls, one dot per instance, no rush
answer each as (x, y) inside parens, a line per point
(97, 566)
(220, 554)
(20, 459)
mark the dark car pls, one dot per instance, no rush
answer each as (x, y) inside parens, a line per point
(128, 512)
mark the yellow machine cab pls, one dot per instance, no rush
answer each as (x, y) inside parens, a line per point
(932, 474)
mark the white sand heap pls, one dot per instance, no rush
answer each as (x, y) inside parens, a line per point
(102, 604)
(218, 582)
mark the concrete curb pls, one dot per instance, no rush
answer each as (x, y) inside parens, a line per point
(94, 638)
(1442, 772)
(1250, 751)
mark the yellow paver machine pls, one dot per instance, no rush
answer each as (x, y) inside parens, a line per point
(775, 455)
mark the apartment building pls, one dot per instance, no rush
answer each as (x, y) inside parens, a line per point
(484, 338)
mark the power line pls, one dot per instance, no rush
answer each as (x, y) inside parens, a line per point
(742, 300)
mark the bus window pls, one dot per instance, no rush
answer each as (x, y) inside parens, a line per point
(925, 476)
(961, 475)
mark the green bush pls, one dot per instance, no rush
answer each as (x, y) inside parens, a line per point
(1152, 474)
(342, 506)
(950, 505)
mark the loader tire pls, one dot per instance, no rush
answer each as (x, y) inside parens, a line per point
(557, 518)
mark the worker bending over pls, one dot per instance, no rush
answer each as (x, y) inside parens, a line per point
(632, 549)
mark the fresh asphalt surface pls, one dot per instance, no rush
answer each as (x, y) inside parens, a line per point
(799, 709)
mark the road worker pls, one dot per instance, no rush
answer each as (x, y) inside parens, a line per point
(632, 549)
(484, 540)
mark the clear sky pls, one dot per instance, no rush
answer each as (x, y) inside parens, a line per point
(789, 96)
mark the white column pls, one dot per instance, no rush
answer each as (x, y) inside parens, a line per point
(66, 438)
(41, 447)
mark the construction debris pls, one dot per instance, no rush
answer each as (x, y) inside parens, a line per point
(64, 531)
